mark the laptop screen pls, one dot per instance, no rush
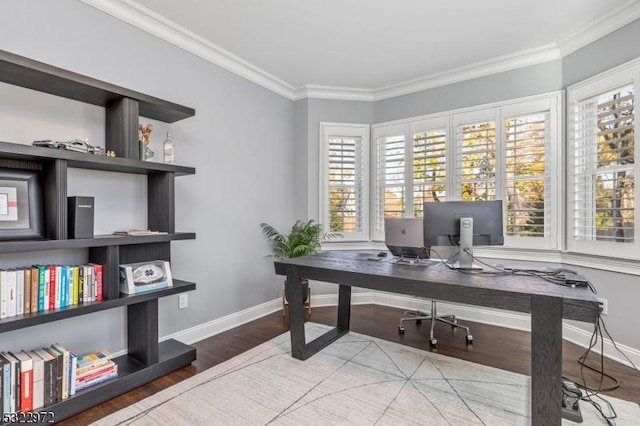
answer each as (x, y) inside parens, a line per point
(404, 237)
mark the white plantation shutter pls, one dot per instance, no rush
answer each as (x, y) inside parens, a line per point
(527, 176)
(604, 167)
(428, 168)
(475, 164)
(344, 204)
(391, 179)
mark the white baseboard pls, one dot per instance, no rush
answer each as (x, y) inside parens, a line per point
(219, 325)
(495, 317)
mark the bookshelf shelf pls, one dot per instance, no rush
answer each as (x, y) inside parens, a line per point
(147, 358)
(29, 320)
(26, 72)
(96, 241)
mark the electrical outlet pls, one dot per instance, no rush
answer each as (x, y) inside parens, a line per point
(183, 301)
(604, 304)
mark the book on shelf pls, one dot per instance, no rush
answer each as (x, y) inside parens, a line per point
(14, 382)
(7, 382)
(103, 378)
(91, 361)
(64, 377)
(59, 373)
(26, 380)
(38, 380)
(136, 232)
(50, 376)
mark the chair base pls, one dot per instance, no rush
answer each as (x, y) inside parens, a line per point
(418, 317)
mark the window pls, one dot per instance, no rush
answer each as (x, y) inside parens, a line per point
(344, 167)
(527, 183)
(507, 152)
(603, 166)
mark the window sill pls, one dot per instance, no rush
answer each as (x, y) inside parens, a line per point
(614, 264)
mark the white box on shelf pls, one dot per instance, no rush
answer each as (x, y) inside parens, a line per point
(145, 276)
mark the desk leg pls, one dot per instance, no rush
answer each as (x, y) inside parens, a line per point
(546, 360)
(293, 290)
(344, 307)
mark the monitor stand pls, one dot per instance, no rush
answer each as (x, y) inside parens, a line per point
(465, 254)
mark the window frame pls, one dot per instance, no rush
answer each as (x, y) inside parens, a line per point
(329, 130)
(595, 86)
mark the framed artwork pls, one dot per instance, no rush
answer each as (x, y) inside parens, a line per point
(21, 207)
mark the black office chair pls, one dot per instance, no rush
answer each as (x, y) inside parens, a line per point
(433, 317)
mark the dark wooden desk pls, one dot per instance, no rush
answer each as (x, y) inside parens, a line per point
(547, 303)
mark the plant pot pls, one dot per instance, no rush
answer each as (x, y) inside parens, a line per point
(305, 289)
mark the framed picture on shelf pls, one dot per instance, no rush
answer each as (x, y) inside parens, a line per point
(21, 209)
(145, 276)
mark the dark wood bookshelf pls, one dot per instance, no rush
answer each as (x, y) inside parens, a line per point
(43, 317)
(96, 241)
(31, 74)
(147, 358)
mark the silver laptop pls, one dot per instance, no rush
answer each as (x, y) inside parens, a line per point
(404, 237)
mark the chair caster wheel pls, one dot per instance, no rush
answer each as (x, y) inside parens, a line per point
(433, 342)
(401, 329)
(418, 322)
(469, 338)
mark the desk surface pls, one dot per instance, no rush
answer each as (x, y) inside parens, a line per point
(511, 292)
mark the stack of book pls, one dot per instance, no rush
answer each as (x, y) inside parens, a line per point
(35, 379)
(94, 368)
(31, 380)
(48, 287)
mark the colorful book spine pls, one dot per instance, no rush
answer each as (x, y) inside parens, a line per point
(42, 292)
(26, 381)
(27, 290)
(63, 286)
(52, 287)
(35, 283)
(98, 272)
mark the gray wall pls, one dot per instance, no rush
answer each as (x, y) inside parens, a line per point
(532, 80)
(241, 142)
(609, 51)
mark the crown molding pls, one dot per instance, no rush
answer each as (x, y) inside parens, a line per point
(617, 18)
(312, 91)
(145, 19)
(538, 55)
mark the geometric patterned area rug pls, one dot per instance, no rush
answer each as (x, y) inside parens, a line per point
(357, 380)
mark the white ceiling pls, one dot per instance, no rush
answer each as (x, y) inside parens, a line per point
(376, 44)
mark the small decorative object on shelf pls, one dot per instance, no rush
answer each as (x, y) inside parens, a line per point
(80, 215)
(111, 154)
(144, 140)
(169, 150)
(75, 145)
(145, 276)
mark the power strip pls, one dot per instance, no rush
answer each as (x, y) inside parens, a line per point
(571, 396)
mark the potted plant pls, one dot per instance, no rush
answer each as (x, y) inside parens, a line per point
(303, 239)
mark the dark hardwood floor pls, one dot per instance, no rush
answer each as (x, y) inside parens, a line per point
(493, 346)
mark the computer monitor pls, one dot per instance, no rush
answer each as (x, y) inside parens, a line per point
(404, 237)
(463, 224)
